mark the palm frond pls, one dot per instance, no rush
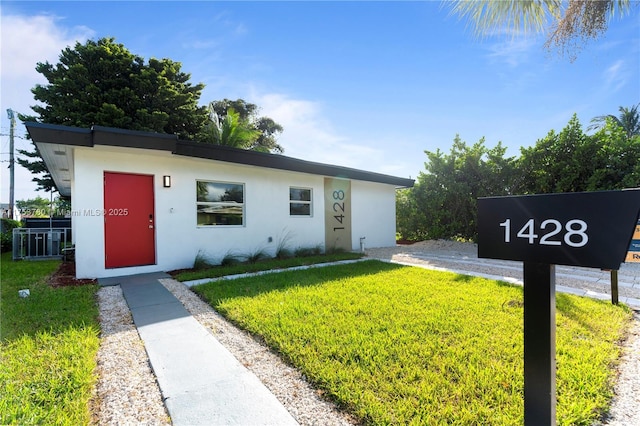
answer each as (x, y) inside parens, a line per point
(628, 119)
(514, 16)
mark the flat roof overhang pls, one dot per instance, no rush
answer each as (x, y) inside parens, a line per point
(56, 144)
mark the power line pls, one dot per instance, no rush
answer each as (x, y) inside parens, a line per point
(9, 134)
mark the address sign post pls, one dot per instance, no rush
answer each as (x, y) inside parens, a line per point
(590, 229)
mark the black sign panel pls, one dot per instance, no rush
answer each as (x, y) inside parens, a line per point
(591, 229)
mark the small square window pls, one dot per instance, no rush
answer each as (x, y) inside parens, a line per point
(300, 201)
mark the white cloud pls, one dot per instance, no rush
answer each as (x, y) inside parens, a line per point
(309, 135)
(25, 41)
(513, 52)
(615, 76)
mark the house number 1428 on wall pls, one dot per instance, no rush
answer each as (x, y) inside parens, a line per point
(338, 207)
(550, 233)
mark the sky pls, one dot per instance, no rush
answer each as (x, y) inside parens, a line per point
(369, 85)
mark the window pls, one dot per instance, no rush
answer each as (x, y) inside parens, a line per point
(220, 203)
(300, 202)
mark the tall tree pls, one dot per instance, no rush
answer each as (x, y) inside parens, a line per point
(268, 130)
(34, 207)
(570, 24)
(617, 164)
(559, 162)
(230, 131)
(572, 161)
(103, 83)
(628, 119)
(443, 202)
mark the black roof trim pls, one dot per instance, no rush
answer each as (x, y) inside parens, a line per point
(133, 138)
(99, 135)
(63, 135)
(281, 162)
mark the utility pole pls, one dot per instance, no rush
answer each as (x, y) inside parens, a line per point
(12, 164)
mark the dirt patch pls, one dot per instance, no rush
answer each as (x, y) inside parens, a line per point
(65, 276)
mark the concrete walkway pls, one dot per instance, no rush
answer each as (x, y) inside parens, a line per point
(201, 382)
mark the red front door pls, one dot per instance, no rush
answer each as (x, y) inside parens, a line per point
(129, 220)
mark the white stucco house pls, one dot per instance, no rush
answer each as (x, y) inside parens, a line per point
(148, 202)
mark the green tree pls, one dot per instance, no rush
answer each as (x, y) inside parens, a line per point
(61, 206)
(269, 130)
(103, 83)
(230, 131)
(570, 24)
(559, 162)
(618, 159)
(34, 163)
(628, 119)
(572, 161)
(34, 207)
(443, 202)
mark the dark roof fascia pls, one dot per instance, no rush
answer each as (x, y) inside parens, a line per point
(57, 134)
(133, 139)
(281, 162)
(99, 135)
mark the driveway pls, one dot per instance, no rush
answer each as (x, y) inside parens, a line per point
(463, 257)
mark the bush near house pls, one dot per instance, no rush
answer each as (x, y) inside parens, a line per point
(404, 345)
(49, 341)
(6, 233)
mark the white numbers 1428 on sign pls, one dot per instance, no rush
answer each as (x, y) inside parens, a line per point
(575, 232)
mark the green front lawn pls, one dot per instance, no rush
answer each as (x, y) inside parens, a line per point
(48, 342)
(404, 345)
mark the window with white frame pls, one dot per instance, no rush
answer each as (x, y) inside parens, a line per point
(219, 203)
(300, 201)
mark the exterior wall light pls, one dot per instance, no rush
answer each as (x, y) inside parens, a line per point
(166, 181)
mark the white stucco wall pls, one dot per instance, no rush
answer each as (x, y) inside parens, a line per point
(179, 239)
(373, 210)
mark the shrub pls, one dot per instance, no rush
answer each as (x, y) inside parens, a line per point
(6, 238)
(231, 259)
(202, 261)
(257, 256)
(308, 251)
(282, 251)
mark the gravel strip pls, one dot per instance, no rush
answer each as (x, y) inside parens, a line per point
(626, 401)
(127, 392)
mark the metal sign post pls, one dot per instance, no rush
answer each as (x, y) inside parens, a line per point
(591, 229)
(539, 344)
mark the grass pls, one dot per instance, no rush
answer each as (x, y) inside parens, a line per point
(403, 345)
(233, 268)
(49, 342)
